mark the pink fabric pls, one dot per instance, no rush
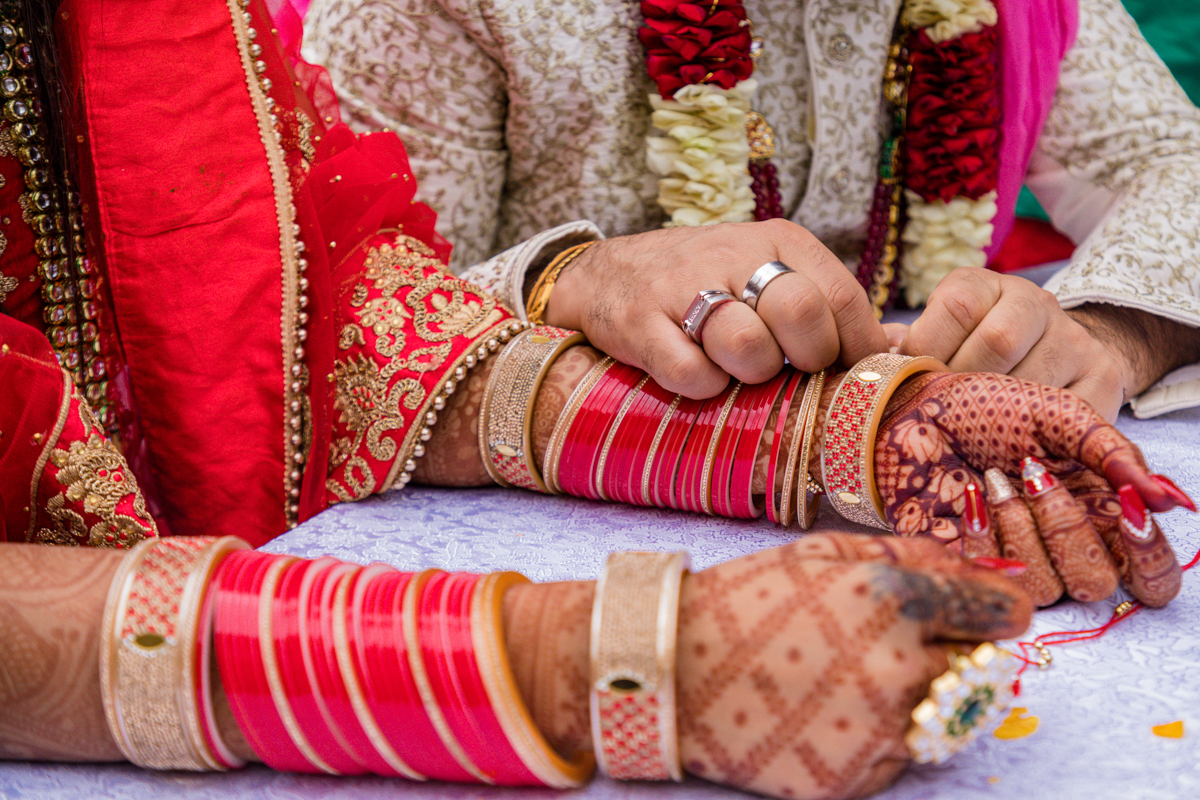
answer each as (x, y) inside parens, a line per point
(289, 21)
(1034, 37)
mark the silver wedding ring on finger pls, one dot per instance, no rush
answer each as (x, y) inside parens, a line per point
(698, 312)
(759, 280)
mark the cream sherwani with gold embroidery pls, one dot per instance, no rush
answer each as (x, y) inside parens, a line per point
(526, 120)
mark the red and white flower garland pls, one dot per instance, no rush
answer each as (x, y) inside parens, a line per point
(700, 57)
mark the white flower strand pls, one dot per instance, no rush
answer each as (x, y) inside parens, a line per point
(948, 19)
(704, 156)
(941, 236)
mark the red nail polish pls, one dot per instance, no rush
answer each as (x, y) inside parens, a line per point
(1008, 566)
(1135, 520)
(1175, 492)
(975, 517)
(1038, 479)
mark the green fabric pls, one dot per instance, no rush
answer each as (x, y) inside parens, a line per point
(1173, 29)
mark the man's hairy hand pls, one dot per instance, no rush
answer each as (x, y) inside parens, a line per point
(629, 294)
(979, 320)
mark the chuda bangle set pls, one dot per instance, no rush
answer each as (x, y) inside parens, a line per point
(622, 437)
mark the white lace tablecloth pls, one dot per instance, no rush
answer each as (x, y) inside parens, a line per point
(1096, 704)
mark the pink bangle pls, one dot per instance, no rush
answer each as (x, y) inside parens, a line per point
(240, 661)
(363, 728)
(582, 444)
(762, 399)
(393, 692)
(495, 754)
(424, 674)
(669, 461)
(773, 498)
(205, 647)
(290, 639)
(708, 470)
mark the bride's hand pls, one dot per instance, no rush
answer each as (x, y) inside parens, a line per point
(1066, 522)
(799, 666)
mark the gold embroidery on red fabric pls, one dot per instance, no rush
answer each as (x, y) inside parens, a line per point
(8, 148)
(63, 408)
(304, 135)
(7, 284)
(369, 397)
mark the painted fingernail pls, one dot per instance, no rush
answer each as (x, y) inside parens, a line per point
(1174, 491)
(1037, 479)
(1007, 566)
(1135, 519)
(975, 516)
(999, 487)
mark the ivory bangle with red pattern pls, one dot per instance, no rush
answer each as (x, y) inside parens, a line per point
(633, 639)
(506, 413)
(149, 677)
(848, 455)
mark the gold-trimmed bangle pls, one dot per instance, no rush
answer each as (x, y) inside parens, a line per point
(539, 296)
(412, 641)
(965, 701)
(506, 412)
(491, 654)
(787, 493)
(559, 436)
(710, 456)
(602, 460)
(148, 666)
(807, 514)
(658, 435)
(848, 452)
(354, 689)
(635, 622)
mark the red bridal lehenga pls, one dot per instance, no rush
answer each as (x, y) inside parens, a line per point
(228, 275)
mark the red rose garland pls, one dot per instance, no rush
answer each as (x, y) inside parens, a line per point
(943, 151)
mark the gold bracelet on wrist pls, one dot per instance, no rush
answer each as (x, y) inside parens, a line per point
(635, 624)
(539, 296)
(848, 454)
(506, 412)
(149, 671)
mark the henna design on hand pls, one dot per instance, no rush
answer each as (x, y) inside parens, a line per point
(941, 430)
(51, 602)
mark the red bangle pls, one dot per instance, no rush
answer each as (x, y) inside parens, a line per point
(289, 631)
(691, 461)
(240, 661)
(665, 478)
(759, 407)
(392, 691)
(424, 673)
(581, 446)
(363, 729)
(723, 449)
(205, 646)
(631, 446)
(495, 754)
(603, 461)
(772, 498)
(441, 630)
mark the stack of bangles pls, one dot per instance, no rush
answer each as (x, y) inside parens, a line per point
(335, 668)
(623, 437)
